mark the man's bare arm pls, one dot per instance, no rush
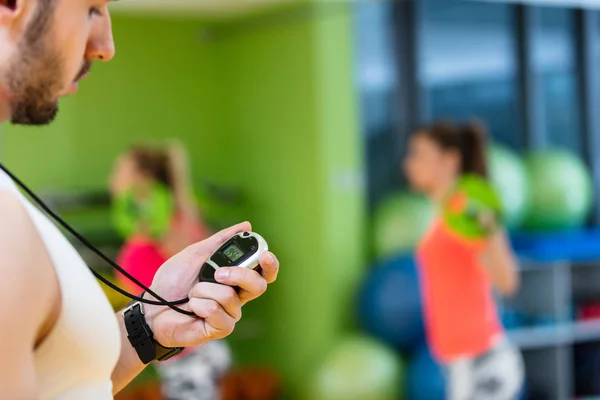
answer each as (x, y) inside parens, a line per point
(29, 293)
(129, 365)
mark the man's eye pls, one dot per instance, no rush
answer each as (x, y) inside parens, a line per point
(95, 11)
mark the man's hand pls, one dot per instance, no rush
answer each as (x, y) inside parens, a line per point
(217, 306)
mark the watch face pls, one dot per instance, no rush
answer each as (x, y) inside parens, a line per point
(233, 252)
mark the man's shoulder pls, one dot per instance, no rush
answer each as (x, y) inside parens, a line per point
(22, 252)
(10, 201)
(13, 214)
(29, 286)
(28, 278)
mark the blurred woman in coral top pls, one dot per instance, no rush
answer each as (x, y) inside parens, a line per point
(458, 274)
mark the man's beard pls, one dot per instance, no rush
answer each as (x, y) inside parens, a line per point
(35, 74)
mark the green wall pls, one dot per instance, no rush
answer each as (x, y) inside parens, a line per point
(41, 156)
(265, 106)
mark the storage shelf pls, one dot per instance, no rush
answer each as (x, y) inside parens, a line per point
(555, 335)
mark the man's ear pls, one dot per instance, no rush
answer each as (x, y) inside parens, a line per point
(10, 10)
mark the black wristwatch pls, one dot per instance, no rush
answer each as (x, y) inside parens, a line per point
(141, 337)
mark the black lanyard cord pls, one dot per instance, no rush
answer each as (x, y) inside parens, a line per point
(161, 302)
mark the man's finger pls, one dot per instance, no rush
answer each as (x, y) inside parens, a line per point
(270, 266)
(212, 314)
(224, 295)
(247, 280)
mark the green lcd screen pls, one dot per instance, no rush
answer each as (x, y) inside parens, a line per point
(233, 252)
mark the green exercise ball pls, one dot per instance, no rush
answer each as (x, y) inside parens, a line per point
(359, 368)
(508, 176)
(560, 190)
(399, 223)
(151, 215)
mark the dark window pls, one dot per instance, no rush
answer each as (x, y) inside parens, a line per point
(468, 64)
(377, 81)
(555, 69)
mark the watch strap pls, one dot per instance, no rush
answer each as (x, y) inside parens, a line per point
(164, 353)
(141, 336)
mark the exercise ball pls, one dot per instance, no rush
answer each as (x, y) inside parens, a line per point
(424, 379)
(508, 176)
(389, 304)
(359, 368)
(524, 394)
(399, 223)
(560, 191)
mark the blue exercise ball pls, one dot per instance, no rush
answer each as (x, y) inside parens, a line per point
(425, 379)
(524, 393)
(389, 304)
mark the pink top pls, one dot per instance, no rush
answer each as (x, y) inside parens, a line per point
(141, 258)
(461, 318)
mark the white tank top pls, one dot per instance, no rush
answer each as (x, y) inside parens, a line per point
(76, 360)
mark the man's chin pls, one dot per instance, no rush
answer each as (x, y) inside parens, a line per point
(35, 117)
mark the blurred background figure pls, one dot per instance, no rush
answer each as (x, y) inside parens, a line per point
(156, 213)
(460, 265)
(154, 208)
